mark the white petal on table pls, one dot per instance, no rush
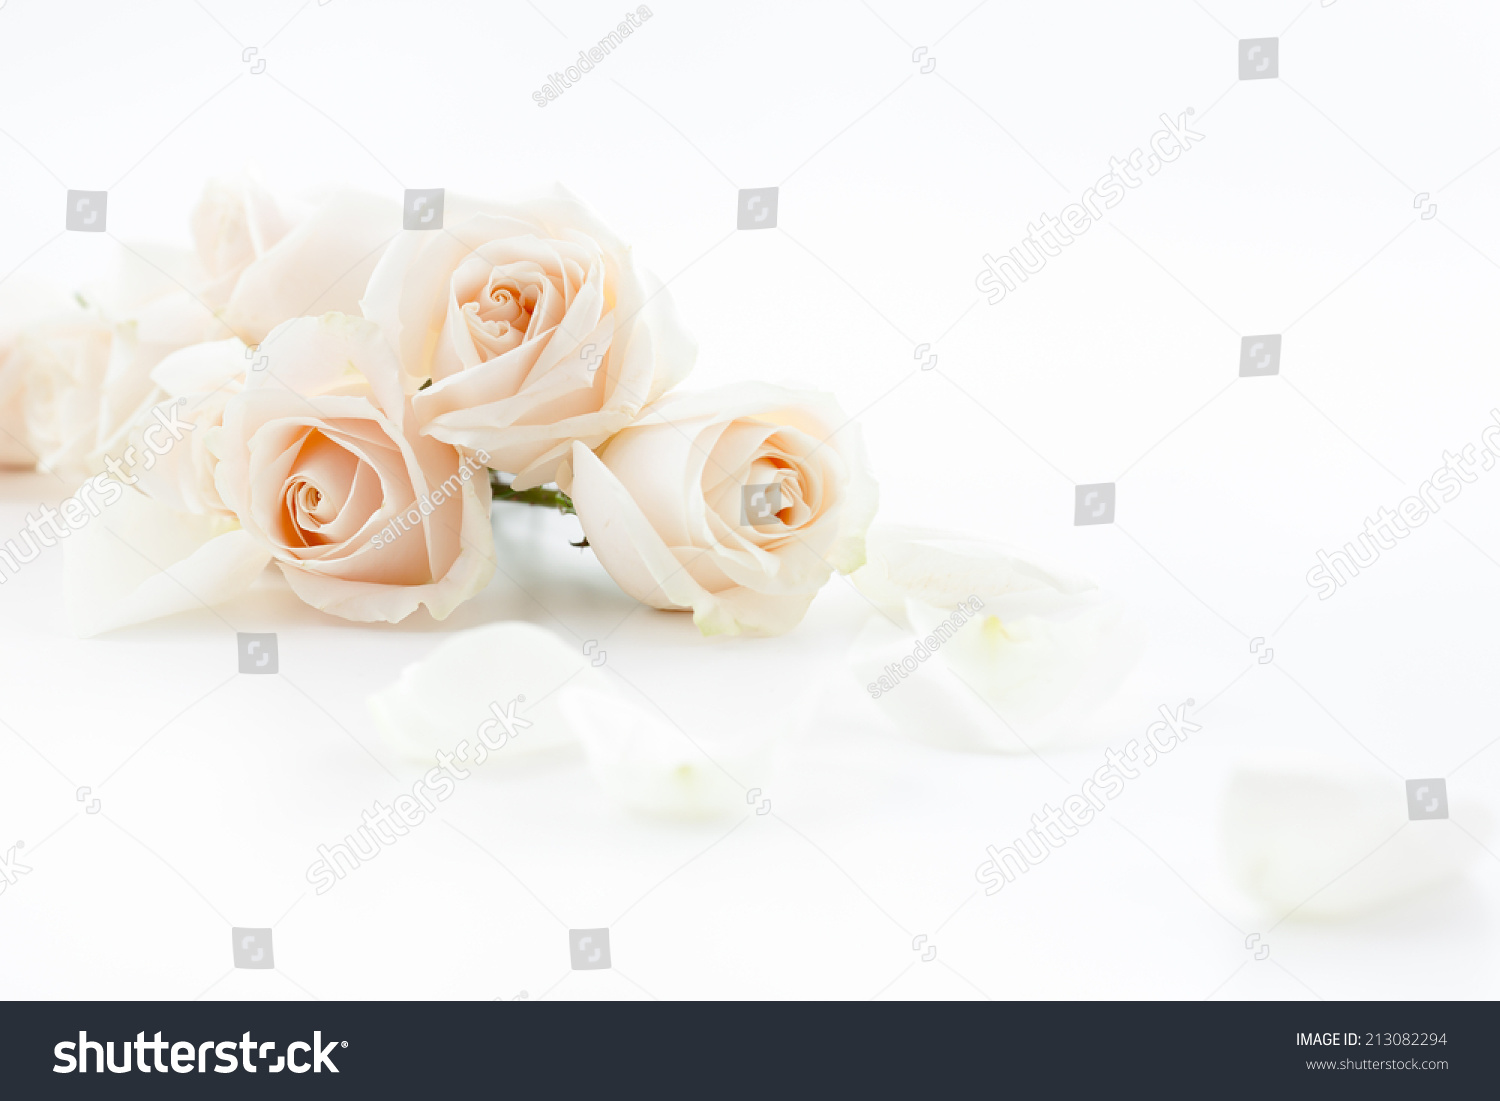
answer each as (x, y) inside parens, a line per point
(942, 568)
(644, 763)
(443, 699)
(1302, 833)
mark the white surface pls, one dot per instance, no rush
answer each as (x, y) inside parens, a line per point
(1295, 215)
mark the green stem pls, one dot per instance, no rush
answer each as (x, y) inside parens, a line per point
(539, 497)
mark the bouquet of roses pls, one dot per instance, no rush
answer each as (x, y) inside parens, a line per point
(319, 389)
(316, 388)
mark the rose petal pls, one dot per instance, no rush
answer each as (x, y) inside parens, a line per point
(624, 541)
(322, 265)
(445, 697)
(646, 764)
(1327, 839)
(942, 568)
(1031, 655)
(139, 560)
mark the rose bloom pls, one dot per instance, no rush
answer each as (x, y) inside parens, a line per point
(666, 504)
(14, 451)
(78, 376)
(56, 370)
(320, 461)
(533, 326)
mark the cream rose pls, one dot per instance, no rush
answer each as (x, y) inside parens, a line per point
(78, 377)
(678, 510)
(320, 461)
(60, 366)
(15, 451)
(23, 304)
(534, 327)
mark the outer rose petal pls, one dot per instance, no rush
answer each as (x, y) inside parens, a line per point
(195, 382)
(321, 265)
(623, 539)
(444, 698)
(313, 356)
(202, 368)
(139, 346)
(139, 560)
(235, 222)
(634, 555)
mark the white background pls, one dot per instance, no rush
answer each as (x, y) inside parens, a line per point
(1297, 214)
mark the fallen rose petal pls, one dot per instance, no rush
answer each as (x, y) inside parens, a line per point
(978, 646)
(941, 568)
(646, 764)
(470, 681)
(1328, 840)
